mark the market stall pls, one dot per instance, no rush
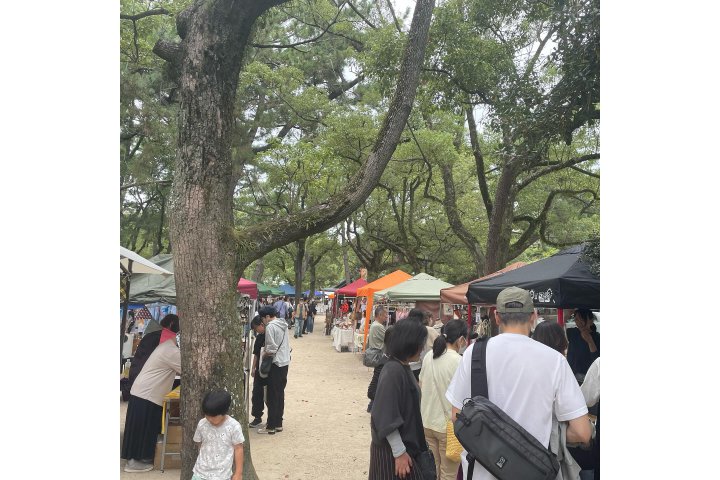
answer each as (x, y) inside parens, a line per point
(287, 289)
(368, 291)
(347, 292)
(132, 267)
(563, 280)
(423, 290)
(248, 287)
(456, 295)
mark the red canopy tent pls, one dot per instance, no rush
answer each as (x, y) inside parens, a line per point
(351, 289)
(248, 287)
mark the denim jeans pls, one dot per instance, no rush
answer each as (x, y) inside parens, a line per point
(309, 324)
(298, 326)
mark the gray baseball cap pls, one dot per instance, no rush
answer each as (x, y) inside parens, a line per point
(515, 295)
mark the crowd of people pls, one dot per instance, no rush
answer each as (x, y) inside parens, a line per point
(529, 376)
(543, 377)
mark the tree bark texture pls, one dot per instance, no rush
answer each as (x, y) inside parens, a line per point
(214, 36)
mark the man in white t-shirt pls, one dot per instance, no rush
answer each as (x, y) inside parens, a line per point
(528, 380)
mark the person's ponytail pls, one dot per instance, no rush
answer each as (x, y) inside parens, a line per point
(439, 346)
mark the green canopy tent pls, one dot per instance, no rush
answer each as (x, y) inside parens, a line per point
(423, 289)
(148, 288)
(264, 290)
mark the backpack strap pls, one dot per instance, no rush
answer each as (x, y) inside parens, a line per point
(478, 386)
(478, 370)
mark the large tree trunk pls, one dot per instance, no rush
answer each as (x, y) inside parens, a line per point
(215, 36)
(214, 39)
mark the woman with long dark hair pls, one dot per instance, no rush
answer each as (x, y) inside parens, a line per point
(438, 368)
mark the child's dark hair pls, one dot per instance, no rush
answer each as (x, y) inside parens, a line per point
(407, 338)
(216, 403)
(454, 329)
(551, 334)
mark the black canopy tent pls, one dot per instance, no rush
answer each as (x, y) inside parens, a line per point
(563, 280)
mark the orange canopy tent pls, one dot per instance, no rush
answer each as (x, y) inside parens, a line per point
(389, 280)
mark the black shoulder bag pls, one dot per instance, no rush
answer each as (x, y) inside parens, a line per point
(494, 439)
(266, 362)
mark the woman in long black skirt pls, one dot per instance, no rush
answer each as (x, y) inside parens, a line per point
(395, 420)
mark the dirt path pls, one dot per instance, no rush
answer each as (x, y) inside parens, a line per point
(326, 430)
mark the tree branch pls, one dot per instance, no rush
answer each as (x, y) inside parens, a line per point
(361, 15)
(556, 167)
(529, 236)
(281, 134)
(264, 237)
(585, 172)
(168, 51)
(134, 18)
(483, 96)
(479, 162)
(142, 184)
(451, 210)
(303, 42)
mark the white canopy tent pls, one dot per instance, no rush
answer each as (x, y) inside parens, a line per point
(131, 262)
(134, 263)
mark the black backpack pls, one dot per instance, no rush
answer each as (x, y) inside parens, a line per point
(494, 439)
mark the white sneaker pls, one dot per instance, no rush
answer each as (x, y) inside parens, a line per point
(136, 466)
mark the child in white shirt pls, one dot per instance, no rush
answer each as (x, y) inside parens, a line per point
(221, 440)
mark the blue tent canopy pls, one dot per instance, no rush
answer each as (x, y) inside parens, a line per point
(318, 293)
(287, 289)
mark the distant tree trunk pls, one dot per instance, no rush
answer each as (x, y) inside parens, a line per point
(299, 272)
(346, 262)
(259, 270)
(311, 271)
(451, 211)
(159, 245)
(500, 222)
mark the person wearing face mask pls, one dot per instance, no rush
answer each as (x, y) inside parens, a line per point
(583, 343)
(438, 367)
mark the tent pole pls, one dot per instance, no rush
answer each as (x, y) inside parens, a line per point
(368, 313)
(561, 317)
(469, 322)
(126, 304)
